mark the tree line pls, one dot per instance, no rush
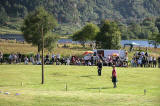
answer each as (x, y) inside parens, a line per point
(108, 33)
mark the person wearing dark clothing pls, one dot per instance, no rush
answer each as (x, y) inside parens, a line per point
(144, 61)
(19, 57)
(47, 61)
(146, 54)
(159, 61)
(114, 77)
(139, 53)
(92, 61)
(99, 66)
(1, 57)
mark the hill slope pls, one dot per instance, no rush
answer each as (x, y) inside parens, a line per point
(78, 12)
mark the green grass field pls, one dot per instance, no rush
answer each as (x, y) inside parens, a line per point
(84, 87)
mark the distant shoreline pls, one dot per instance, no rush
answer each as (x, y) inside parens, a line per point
(19, 37)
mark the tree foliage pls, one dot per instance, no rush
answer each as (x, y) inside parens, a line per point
(87, 33)
(50, 41)
(109, 36)
(138, 30)
(157, 23)
(155, 37)
(80, 11)
(35, 23)
(3, 16)
(75, 13)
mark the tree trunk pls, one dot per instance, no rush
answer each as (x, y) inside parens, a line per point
(39, 48)
(155, 45)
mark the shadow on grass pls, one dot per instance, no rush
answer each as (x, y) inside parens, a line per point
(24, 84)
(88, 75)
(101, 88)
(59, 74)
(7, 85)
(33, 84)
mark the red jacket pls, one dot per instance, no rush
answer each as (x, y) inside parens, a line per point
(114, 73)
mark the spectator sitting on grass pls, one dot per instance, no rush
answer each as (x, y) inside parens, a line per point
(68, 61)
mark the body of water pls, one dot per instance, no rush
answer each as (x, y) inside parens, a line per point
(141, 43)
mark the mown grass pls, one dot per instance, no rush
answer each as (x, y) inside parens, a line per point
(84, 87)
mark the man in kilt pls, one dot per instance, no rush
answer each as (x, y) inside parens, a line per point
(114, 77)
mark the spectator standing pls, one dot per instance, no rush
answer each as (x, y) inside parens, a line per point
(19, 57)
(150, 61)
(53, 58)
(92, 60)
(38, 61)
(15, 58)
(143, 61)
(140, 62)
(159, 61)
(1, 57)
(132, 63)
(58, 57)
(38, 57)
(10, 58)
(47, 61)
(32, 60)
(146, 54)
(154, 62)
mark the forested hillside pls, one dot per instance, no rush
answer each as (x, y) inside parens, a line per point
(78, 12)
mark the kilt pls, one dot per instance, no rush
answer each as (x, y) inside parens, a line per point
(114, 79)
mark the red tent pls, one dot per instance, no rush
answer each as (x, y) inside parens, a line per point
(88, 52)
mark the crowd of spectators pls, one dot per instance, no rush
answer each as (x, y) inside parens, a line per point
(140, 59)
(108, 60)
(143, 59)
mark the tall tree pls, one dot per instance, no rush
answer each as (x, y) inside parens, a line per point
(109, 36)
(88, 33)
(33, 25)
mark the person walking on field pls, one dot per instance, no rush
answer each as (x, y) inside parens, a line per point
(99, 66)
(114, 77)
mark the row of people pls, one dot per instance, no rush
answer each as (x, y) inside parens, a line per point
(141, 59)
